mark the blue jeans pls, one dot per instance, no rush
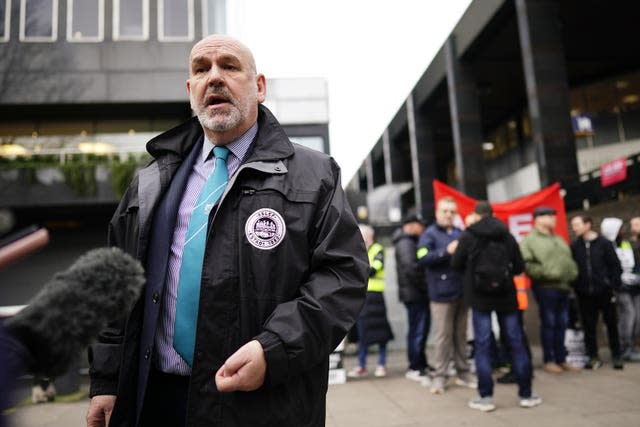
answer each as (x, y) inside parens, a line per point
(554, 318)
(419, 320)
(521, 364)
(363, 349)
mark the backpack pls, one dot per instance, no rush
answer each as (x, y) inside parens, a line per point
(491, 266)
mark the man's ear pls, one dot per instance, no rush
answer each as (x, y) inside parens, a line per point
(188, 88)
(261, 82)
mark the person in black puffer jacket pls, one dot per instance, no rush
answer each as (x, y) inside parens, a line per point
(412, 292)
(599, 273)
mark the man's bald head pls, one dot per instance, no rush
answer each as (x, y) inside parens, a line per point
(221, 40)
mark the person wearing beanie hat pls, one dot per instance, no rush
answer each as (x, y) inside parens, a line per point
(598, 278)
(628, 298)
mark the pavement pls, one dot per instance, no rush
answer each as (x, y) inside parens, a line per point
(604, 397)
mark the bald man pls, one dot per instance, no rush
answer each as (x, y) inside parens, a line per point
(255, 267)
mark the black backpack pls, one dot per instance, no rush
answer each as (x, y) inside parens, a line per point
(491, 266)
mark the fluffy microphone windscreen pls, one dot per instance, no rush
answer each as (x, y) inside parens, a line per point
(74, 306)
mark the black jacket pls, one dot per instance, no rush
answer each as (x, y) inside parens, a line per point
(492, 228)
(599, 268)
(411, 284)
(298, 299)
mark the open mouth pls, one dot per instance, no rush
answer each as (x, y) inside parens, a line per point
(214, 100)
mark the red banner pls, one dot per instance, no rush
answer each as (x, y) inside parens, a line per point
(613, 172)
(517, 214)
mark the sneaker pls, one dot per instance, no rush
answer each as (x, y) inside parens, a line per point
(380, 371)
(617, 363)
(357, 372)
(414, 375)
(552, 368)
(593, 364)
(40, 394)
(508, 378)
(484, 404)
(531, 401)
(437, 385)
(569, 367)
(425, 381)
(467, 380)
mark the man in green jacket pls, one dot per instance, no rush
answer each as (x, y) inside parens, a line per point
(549, 263)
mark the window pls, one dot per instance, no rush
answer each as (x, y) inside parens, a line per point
(130, 19)
(213, 17)
(175, 20)
(5, 14)
(85, 20)
(38, 20)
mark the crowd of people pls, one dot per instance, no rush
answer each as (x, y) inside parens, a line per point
(446, 273)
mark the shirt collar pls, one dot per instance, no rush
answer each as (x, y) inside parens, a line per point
(238, 147)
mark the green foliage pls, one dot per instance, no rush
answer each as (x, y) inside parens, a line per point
(122, 174)
(79, 170)
(81, 177)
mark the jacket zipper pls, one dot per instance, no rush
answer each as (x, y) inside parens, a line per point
(589, 267)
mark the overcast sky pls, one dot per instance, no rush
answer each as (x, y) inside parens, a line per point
(371, 53)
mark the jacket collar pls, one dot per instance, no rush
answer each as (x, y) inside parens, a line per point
(271, 142)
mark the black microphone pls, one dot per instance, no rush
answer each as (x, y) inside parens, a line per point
(71, 309)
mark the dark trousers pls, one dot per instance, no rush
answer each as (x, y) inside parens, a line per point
(419, 320)
(165, 403)
(505, 348)
(590, 307)
(554, 318)
(521, 363)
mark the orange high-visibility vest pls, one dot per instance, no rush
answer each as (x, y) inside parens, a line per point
(522, 283)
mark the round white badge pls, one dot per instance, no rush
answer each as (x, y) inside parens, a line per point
(265, 229)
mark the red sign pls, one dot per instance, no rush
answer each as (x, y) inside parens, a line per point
(613, 172)
(517, 214)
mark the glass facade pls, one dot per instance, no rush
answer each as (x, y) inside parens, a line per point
(130, 19)
(507, 136)
(5, 9)
(85, 20)
(38, 20)
(175, 20)
(609, 109)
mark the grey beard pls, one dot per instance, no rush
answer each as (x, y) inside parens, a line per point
(219, 123)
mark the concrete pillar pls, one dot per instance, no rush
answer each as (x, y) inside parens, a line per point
(422, 156)
(466, 125)
(386, 152)
(369, 172)
(545, 73)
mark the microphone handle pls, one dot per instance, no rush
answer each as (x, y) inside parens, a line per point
(23, 247)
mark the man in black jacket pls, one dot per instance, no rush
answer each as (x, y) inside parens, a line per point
(281, 273)
(412, 291)
(599, 273)
(486, 233)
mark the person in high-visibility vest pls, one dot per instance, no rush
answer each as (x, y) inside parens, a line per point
(373, 326)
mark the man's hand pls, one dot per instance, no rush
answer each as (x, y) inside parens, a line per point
(452, 246)
(244, 370)
(100, 409)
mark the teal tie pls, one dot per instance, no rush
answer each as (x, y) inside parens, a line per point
(192, 257)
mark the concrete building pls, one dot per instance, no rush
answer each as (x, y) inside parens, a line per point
(522, 94)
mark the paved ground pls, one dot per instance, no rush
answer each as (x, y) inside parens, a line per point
(588, 399)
